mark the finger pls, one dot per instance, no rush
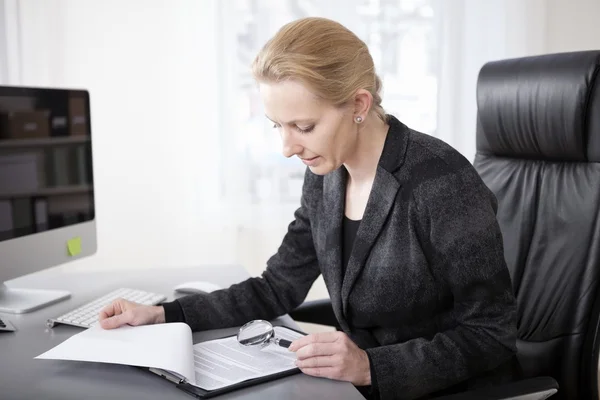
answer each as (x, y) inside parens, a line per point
(317, 350)
(322, 372)
(116, 321)
(315, 362)
(105, 313)
(108, 311)
(321, 337)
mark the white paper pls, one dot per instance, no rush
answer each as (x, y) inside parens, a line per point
(223, 362)
(163, 346)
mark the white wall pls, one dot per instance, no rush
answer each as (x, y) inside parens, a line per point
(149, 66)
(476, 32)
(9, 27)
(573, 25)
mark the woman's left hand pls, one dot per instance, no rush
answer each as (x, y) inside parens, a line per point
(332, 355)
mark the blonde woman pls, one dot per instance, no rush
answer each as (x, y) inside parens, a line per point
(399, 224)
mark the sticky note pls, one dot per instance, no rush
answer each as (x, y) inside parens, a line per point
(74, 246)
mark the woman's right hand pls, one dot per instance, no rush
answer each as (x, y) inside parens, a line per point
(123, 312)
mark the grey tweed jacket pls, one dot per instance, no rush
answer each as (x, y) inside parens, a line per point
(426, 291)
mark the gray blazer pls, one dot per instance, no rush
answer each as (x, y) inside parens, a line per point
(426, 291)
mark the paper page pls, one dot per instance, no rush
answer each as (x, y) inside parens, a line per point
(223, 362)
(163, 346)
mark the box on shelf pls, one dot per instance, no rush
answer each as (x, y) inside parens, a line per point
(25, 124)
(78, 115)
(59, 125)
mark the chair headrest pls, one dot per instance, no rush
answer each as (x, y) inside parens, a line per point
(541, 107)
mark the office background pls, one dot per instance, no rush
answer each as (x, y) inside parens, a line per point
(175, 115)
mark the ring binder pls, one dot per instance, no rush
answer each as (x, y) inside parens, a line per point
(167, 375)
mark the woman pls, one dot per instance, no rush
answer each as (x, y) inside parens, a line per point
(400, 225)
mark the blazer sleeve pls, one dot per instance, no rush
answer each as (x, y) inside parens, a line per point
(456, 217)
(284, 284)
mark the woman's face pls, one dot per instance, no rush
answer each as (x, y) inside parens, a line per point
(321, 135)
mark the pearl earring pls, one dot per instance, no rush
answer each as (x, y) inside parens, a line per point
(358, 119)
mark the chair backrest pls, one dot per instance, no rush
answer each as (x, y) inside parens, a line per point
(538, 150)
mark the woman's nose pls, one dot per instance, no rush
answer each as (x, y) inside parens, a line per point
(290, 146)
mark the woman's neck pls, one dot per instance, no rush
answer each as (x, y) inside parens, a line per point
(362, 165)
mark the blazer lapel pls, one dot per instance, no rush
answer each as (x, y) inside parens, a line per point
(382, 198)
(334, 189)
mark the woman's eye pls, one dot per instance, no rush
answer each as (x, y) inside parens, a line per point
(305, 130)
(299, 129)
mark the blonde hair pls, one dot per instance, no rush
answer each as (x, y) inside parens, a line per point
(324, 55)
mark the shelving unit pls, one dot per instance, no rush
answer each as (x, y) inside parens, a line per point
(42, 142)
(49, 192)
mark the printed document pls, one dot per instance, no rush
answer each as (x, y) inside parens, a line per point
(168, 347)
(223, 362)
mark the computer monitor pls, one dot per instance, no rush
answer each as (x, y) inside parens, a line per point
(47, 213)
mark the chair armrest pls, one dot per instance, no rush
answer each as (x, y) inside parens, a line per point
(315, 312)
(527, 389)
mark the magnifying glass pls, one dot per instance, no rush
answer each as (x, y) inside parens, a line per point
(259, 333)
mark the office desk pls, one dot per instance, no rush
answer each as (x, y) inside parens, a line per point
(22, 377)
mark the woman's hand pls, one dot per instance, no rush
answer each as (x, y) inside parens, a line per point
(332, 355)
(123, 312)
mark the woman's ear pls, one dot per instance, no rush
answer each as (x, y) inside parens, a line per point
(363, 100)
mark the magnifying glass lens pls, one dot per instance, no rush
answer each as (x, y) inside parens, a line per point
(258, 333)
(255, 333)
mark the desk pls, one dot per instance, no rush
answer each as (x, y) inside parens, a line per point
(22, 377)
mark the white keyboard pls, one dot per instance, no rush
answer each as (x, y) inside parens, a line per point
(86, 315)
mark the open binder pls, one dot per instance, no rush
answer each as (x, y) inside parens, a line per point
(201, 393)
(203, 370)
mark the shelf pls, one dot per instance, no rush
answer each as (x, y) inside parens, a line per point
(42, 142)
(48, 192)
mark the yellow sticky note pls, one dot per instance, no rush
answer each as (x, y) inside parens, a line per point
(74, 246)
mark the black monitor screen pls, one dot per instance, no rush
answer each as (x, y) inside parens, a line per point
(46, 179)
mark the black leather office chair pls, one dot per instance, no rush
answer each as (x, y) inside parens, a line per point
(538, 150)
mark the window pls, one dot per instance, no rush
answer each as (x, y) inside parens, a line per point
(402, 37)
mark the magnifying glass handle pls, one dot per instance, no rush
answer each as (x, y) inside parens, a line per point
(283, 342)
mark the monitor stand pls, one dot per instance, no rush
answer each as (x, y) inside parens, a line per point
(20, 301)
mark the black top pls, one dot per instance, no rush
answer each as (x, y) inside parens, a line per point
(349, 229)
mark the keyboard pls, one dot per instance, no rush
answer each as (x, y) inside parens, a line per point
(86, 316)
